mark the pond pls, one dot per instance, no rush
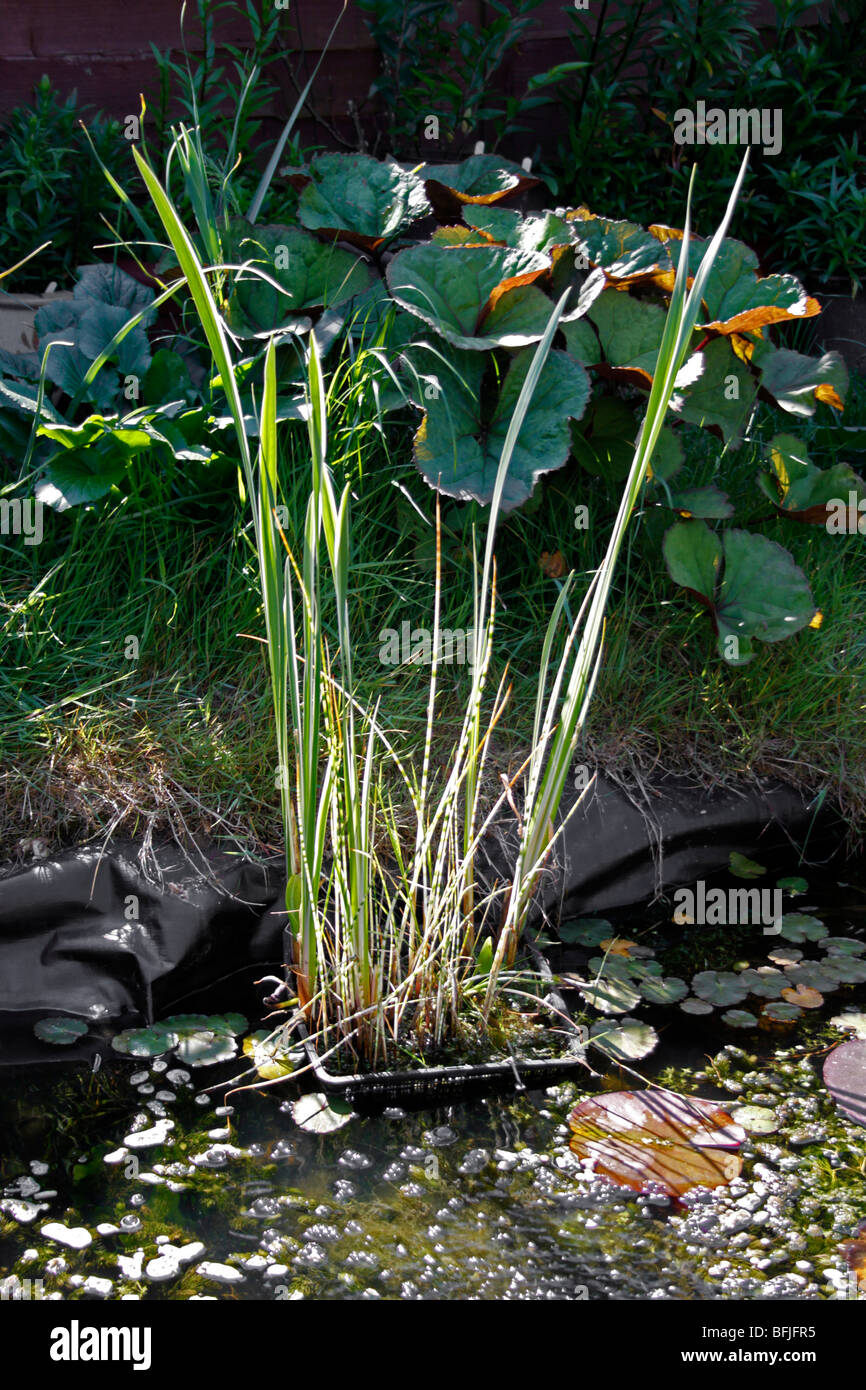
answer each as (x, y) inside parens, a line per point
(135, 1182)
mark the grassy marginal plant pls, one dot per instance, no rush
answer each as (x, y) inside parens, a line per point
(384, 919)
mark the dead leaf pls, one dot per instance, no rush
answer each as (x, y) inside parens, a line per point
(637, 1138)
(617, 946)
(553, 565)
(804, 997)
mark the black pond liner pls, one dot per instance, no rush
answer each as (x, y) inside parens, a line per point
(92, 936)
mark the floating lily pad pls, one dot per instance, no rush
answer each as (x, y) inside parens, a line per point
(267, 1055)
(144, 1042)
(696, 1006)
(785, 955)
(201, 1039)
(663, 991)
(804, 996)
(678, 1142)
(61, 1032)
(780, 1012)
(739, 1018)
(756, 1119)
(793, 885)
(812, 975)
(741, 867)
(842, 945)
(587, 931)
(845, 1078)
(205, 1049)
(719, 987)
(765, 982)
(611, 995)
(627, 1040)
(313, 1112)
(848, 970)
(800, 926)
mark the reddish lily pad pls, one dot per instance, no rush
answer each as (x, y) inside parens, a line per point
(677, 1142)
(845, 1078)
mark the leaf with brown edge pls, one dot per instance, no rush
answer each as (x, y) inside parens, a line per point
(677, 1142)
(796, 381)
(736, 300)
(854, 1252)
(624, 251)
(617, 946)
(480, 179)
(802, 491)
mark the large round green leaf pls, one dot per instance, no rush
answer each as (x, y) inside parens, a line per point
(458, 450)
(366, 200)
(475, 296)
(309, 274)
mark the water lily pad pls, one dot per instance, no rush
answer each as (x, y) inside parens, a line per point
(848, 970)
(719, 987)
(842, 945)
(811, 974)
(765, 982)
(781, 1012)
(204, 1049)
(739, 1018)
(800, 926)
(845, 1078)
(144, 1042)
(785, 955)
(696, 1006)
(611, 995)
(804, 996)
(663, 991)
(61, 1032)
(678, 1142)
(741, 867)
(586, 931)
(794, 885)
(313, 1112)
(757, 1119)
(268, 1056)
(627, 1040)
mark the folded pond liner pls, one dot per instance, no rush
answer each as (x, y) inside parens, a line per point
(90, 935)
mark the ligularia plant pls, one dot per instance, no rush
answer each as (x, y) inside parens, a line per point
(389, 939)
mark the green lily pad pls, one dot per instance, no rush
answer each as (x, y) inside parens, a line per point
(458, 450)
(696, 1006)
(848, 970)
(627, 1040)
(313, 1112)
(663, 991)
(799, 926)
(365, 199)
(842, 945)
(785, 955)
(60, 1032)
(757, 1119)
(750, 584)
(204, 1049)
(587, 931)
(611, 995)
(795, 886)
(145, 1042)
(739, 1018)
(719, 987)
(781, 1012)
(813, 975)
(741, 867)
(476, 296)
(764, 982)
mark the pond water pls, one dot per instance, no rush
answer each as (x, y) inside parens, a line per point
(482, 1201)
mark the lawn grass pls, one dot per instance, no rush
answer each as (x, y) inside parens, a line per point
(94, 743)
